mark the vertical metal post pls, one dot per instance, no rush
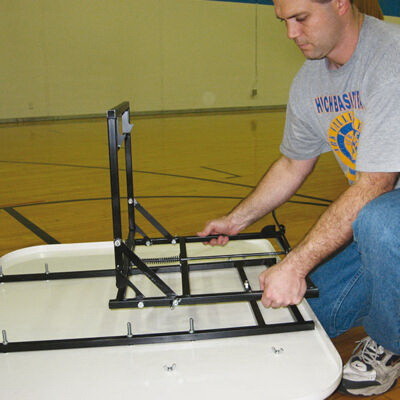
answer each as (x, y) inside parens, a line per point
(246, 285)
(112, 122)
(184, 267)
(130, 192)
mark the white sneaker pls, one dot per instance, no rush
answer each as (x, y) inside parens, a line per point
(371, 370)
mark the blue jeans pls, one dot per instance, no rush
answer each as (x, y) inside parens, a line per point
(360, 286)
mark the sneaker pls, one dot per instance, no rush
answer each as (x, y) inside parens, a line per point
(371, 370)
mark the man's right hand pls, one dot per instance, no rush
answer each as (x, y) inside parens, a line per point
(222, 226)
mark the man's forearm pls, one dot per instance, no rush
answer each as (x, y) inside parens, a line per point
(279, 183)
(334, 229)
(284, 283)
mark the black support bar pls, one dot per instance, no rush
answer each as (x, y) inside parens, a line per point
(98, 273)
(168, 337)
(246, 286)
(152, 220)
(118, 110)
(208, 298)
(184, 268)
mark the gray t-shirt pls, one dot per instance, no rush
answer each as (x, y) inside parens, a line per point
(354, 110)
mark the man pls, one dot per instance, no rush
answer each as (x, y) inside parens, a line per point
(346, 98)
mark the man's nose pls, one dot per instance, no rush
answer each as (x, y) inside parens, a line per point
(293, 29)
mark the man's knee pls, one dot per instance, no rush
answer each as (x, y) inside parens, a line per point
(379, 219)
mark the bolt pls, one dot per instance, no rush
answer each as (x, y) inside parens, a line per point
(5, 341)
(129, 327)
(117, 242)
(148, 243)
(46, 268)
(246, 285)
(140, 304)
(191, 324)
(130, 201)
(173, 241)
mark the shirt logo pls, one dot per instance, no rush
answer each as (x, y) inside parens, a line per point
(334, 104)
(343, 135)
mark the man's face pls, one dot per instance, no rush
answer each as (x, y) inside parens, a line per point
(314, 27)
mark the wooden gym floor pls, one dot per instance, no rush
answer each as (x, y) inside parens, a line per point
(54, 180)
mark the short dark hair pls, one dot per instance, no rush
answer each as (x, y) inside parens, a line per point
(327, 1)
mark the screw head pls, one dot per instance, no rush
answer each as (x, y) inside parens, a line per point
(175, 303)
(130, 201)
(277, 350)
(169, 368)
(140, 304)
(117, 242)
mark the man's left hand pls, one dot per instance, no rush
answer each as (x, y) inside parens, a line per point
(283, 285)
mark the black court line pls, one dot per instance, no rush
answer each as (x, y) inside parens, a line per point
(52, 164)
(45, 203)
(223, 172)
(31, 226)
(160, 174)
(51, 240)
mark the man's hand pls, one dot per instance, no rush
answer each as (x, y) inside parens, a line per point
(283, 285)
(221, 226)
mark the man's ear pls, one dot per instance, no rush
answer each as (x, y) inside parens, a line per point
(342, 6)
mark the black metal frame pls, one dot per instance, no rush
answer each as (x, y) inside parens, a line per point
(127, 260)
(128, 264)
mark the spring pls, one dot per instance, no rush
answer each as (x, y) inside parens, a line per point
(161, 260)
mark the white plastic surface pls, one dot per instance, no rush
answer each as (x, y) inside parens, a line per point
(309, 367)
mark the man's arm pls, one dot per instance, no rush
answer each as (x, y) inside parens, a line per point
(284, 283)
(279, 183)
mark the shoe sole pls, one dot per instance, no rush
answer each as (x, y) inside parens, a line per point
(341, 389)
